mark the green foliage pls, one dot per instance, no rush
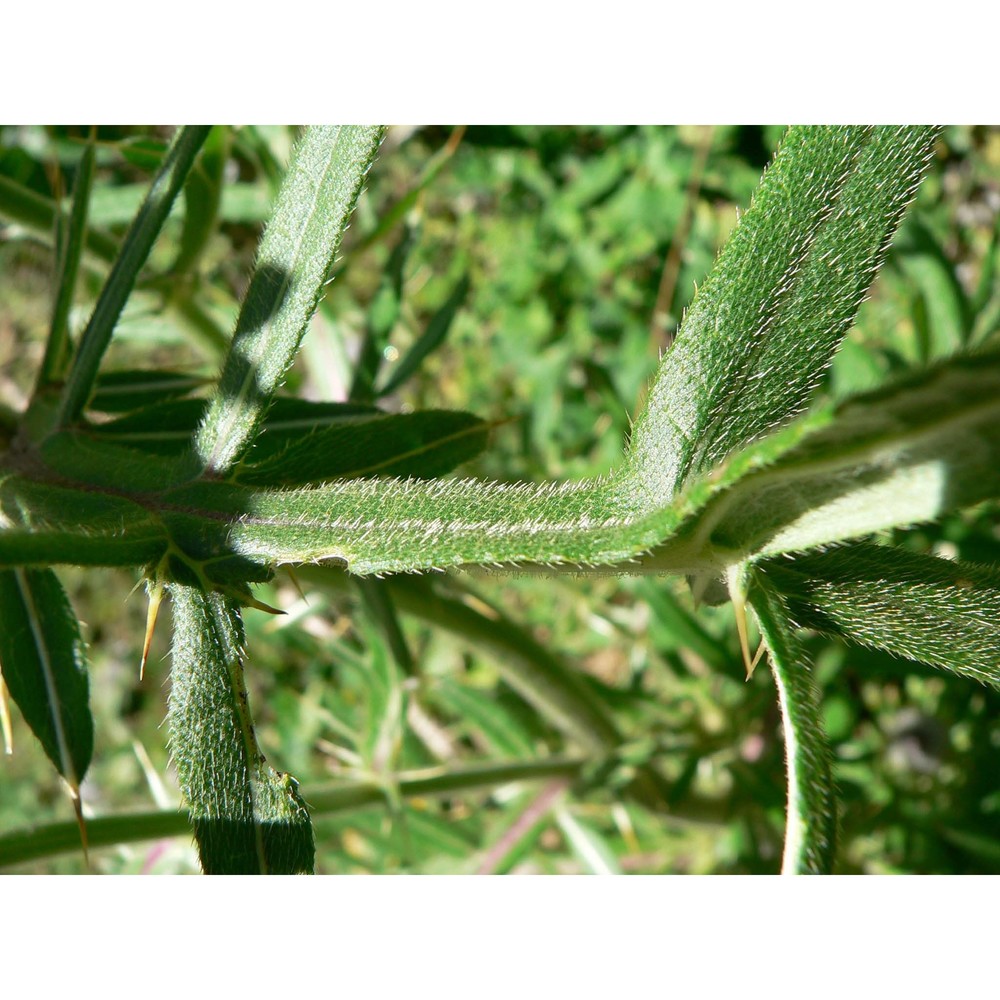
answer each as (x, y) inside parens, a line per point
(726, 480)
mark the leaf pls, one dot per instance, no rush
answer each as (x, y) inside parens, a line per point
(314, 205)
(946, 322)
(382, 316)
(31, 209)
(202, 199)
(71, 235)
(79, 527)
(593, 852)
(47, 840)
(420, 445)
(135, 249)
(779, 300)
(927, 609)
(810, 834)
(167, 427)
(429, 341)
(247, 818)
(502, 732)
(121, 391)
(904, 454)
(535, 673)
(44, 665)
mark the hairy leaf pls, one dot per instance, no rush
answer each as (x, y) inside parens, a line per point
(44, 664)
(938, 612)
(810, 836)
(121, 391)
(315, 202)
(167, 427)
(900, 455)
(780, 298)
(422, 445)
(247, 818)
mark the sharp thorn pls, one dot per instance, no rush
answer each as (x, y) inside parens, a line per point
(153, 609)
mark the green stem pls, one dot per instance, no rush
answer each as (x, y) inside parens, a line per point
(46, 841)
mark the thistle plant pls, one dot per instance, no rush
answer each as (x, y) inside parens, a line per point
(734, 477)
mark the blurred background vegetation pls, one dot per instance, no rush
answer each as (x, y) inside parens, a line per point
(539, 272)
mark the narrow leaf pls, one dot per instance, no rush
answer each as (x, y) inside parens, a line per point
(420, 445)
(166, 427)
(70, 242)
(121, 391)
(535, 673)
(810, 834)
(932, 610)
(44, 664)
(247, 818)
(135, 250)
(900, 455)
(314, 205)
(73, 526)
(51, 839)
(429, 341)
(591, 849)
(382, 316)
(35, 211)
(780, 298)
(202, 198)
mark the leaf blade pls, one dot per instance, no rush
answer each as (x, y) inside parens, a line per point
(810, 835)
(44, 665)
(780, 298)
(135, 249)
(247, 818)
(932, 610)
(314, 205)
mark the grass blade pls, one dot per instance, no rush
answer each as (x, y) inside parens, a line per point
(810, 835)
(247, 818)
(382, 316)
(314, 205)
(927, 609)
(155, 209)
(202, 199)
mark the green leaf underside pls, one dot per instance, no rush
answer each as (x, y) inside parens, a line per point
(324, 179)
(247, 818)
(810, 836)
(904, 454)
(932, 610)
(44, 664)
